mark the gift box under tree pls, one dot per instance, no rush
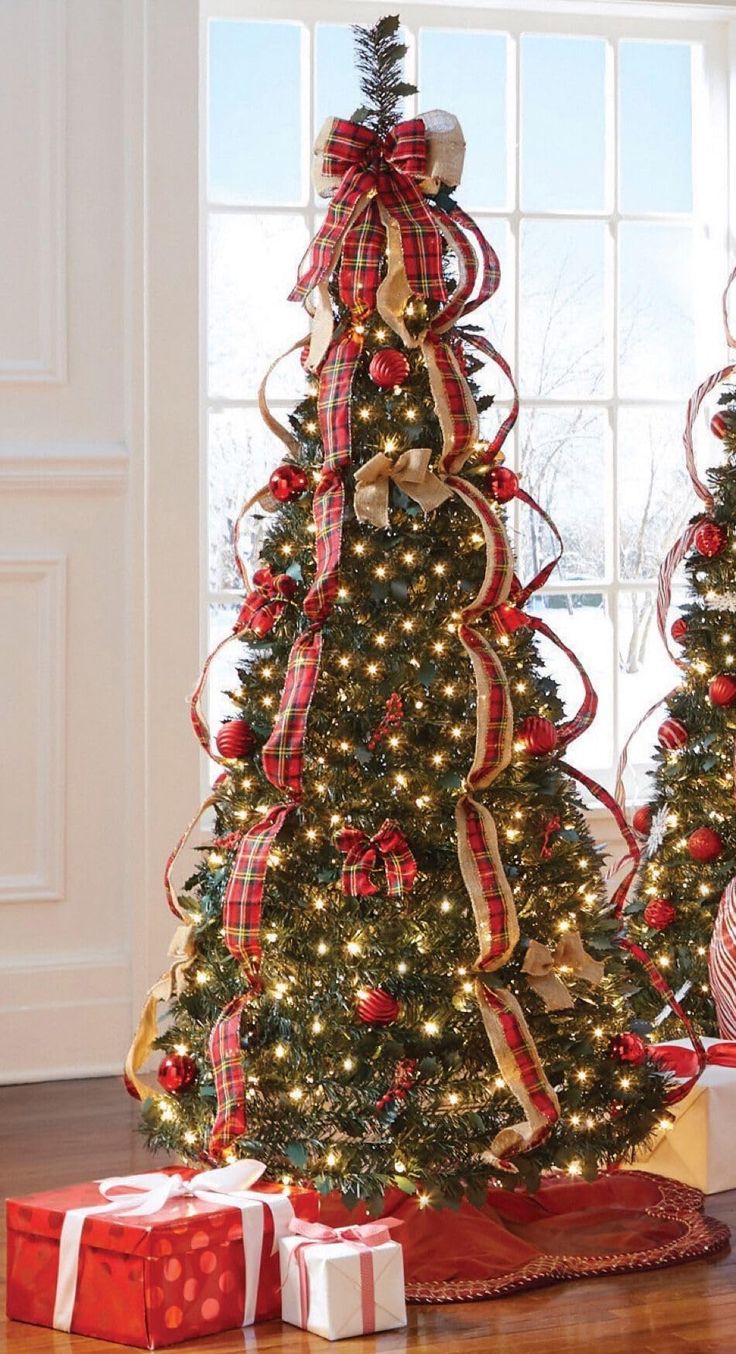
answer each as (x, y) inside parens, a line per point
(152, 1260)
(339, 1282)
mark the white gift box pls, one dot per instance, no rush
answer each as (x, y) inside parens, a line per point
(340, 1288)
(698, 1149)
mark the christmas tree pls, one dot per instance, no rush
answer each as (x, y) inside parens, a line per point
(399, 966)
(687, 825)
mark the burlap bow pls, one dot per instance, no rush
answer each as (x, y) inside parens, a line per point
(541, 968)
(411, 473)
(362, 857)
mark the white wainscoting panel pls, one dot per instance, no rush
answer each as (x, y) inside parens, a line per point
(33, 699)
(32, 159)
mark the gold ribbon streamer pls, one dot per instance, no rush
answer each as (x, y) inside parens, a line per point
(543, 969)
(411, 473)
(171, 984)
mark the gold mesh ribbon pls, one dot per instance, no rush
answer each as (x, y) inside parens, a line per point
(171, 984)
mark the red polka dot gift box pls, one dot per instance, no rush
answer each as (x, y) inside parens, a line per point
(152, 1260)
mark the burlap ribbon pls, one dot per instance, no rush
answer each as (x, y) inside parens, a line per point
(410, 472)
(544, 970)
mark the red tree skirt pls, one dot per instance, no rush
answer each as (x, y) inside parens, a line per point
(568, 1230)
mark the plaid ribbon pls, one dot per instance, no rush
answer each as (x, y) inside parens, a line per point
(362, 857)
(227, 1062)
(374, 170)
(241, 912)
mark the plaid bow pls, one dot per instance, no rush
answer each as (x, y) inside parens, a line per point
(265, 603)
(374, 173)
(362, 856)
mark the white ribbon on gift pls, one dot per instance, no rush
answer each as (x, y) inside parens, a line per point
(144, 1195)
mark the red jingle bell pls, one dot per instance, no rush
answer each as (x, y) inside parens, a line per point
(388, 367)
(235, 739)
(704, 845)
(722, 689)
(672, 735)
(502, 484)
(377, 1007)
(538, 735)
(678, 629)
(288, 482)
(177, 1072)
(642, 820)
(710, 539)
(628, 1047)
(659, 913)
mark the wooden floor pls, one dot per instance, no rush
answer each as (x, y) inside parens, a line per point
(61, 1132)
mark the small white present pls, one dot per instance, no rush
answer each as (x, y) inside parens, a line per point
(698, 1149)
(343, 1281)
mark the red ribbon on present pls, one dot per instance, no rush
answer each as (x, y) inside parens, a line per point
(374, 170)
(363, 855)
(364, 1238)
(265, 603)
(683, 1062)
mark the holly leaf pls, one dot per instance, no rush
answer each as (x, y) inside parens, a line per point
(406, 1186)
(427, 673)
(399, 589)
(363, 755)
(297, 1154)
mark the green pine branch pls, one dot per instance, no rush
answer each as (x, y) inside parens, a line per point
(379, 58)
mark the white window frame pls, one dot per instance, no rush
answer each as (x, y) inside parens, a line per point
(713, 26)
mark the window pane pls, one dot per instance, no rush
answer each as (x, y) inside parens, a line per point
(496, 316)
(564, 467)
(656, 498)
(255, 143)
(337, 86)
(564, 329)
(252, 268)
(645, 674)
(241, 455)
(581, 620)
(655, 136)
(656, 333)
(223, 675)
(563, 123)
(465, 73)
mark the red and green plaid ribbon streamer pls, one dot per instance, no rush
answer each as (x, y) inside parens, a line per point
(227, 1061)
(363, 854)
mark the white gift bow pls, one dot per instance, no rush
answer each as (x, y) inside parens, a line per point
(147, 1194)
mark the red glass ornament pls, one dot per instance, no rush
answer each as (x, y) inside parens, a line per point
(288, 482)
(286, 586)
(235, 739)
(672, 734)
(177, 1072)
(722, 689)
(628, 1047)
(704, 844)
(377, 1007)
(659, 913)
(388, 367)
(678, 629)
(719, 426)
(507, 618)
(642, 820)
(539, 735)
(502, 484)
(710, 539)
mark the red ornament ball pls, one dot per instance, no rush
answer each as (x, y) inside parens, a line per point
(642, 820)
(177, 1072)
(704, 844)
(719, 426)
(502, 484)
(672, 734)
(288, 482)
(388, 367)
(659, 913)
(235, 739)
(628, 1047)
(286, 586)
(377, 1007)
(710, 539)
(539, 735)
(722, 689)
(678, 629)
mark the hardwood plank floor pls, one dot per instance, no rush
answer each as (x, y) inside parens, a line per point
(61, 1132)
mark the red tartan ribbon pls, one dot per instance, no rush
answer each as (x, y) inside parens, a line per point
(227, 1062)
(265, 603)
(374, 170)
(241, 912)
(363, 854)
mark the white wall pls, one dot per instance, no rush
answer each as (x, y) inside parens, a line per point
(98, 484)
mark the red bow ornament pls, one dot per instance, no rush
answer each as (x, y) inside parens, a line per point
(265, 603)
(683, 1062)
(376, 185)
(363, 855)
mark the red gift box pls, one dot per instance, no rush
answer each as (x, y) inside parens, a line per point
(148, 1262)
